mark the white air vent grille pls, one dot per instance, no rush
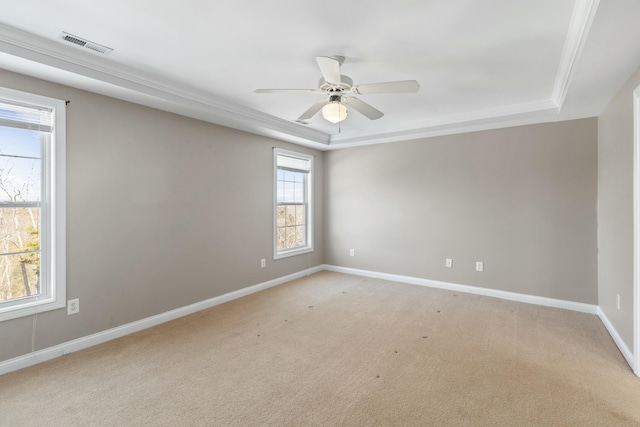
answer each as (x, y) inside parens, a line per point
(80, 42)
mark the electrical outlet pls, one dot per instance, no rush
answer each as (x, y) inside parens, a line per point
(618, 301)
(448, 263)
(73, 306)
(352, 252)
(479, 266)
(263, 263)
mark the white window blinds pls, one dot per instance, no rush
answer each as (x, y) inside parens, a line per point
(293, 163)
(24, 116)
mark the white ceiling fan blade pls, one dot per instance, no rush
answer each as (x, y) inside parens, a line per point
(288, 91)
(405, 86)
(363, 108)
(330, 69)
(313, 109)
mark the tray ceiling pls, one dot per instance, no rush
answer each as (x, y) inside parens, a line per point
(480, 65)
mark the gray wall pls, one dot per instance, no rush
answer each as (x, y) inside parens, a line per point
(615, 209)
(522, 200)
(162, 211)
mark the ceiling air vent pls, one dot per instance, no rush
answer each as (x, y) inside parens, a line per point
(80, 42)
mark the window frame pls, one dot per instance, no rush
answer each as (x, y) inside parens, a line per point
(52, 215)
(308, 202)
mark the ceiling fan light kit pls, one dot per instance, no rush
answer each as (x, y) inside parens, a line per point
(334, 111)
(335, 85)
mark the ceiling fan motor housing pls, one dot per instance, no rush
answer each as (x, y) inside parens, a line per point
(344, 86)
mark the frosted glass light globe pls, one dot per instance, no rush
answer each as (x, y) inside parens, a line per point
(334, 112)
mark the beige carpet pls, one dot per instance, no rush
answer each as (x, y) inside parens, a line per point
(340, 350)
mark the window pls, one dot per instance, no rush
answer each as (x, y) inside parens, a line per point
(32, 204)
(293, 203)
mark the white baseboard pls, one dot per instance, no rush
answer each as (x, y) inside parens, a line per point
(512, 296)
(622, 346)
(49, 353)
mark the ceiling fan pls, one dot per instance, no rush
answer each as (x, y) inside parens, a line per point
(336, 85)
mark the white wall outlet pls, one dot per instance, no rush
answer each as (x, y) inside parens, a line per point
(448, 263)
(263, 263)
(73, 306)
(479, 266)
(352, 252)
(618, 301)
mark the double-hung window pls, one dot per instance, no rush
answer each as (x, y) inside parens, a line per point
(293, 173)
(32, 204)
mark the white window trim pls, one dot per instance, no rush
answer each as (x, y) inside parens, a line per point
(309, 195)
(53, 238)
(635, 362)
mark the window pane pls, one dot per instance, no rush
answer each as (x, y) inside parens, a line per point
(19, 232)
(299, 177)
(19, 276)
(300, 236)
(290, 215)
(291, 237)
(20, 142)
(20, 165)
(280, 216)
(299, 192)
(300, 216)
(288, 192)
(280, 176)
(280, 238)
(19, 229)
(280, 194)
(289, 176)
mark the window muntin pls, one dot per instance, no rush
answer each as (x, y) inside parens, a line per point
(32, 261)
(292, 224)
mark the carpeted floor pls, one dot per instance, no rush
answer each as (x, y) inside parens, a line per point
(339, 350)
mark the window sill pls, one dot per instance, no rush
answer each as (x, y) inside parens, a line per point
(30, 308)
(293, 252)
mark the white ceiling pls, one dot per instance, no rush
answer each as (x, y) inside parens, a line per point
(480, 64)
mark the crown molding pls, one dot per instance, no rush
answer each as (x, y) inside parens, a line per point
(584, 12)
(513, 115)
(183, 99)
